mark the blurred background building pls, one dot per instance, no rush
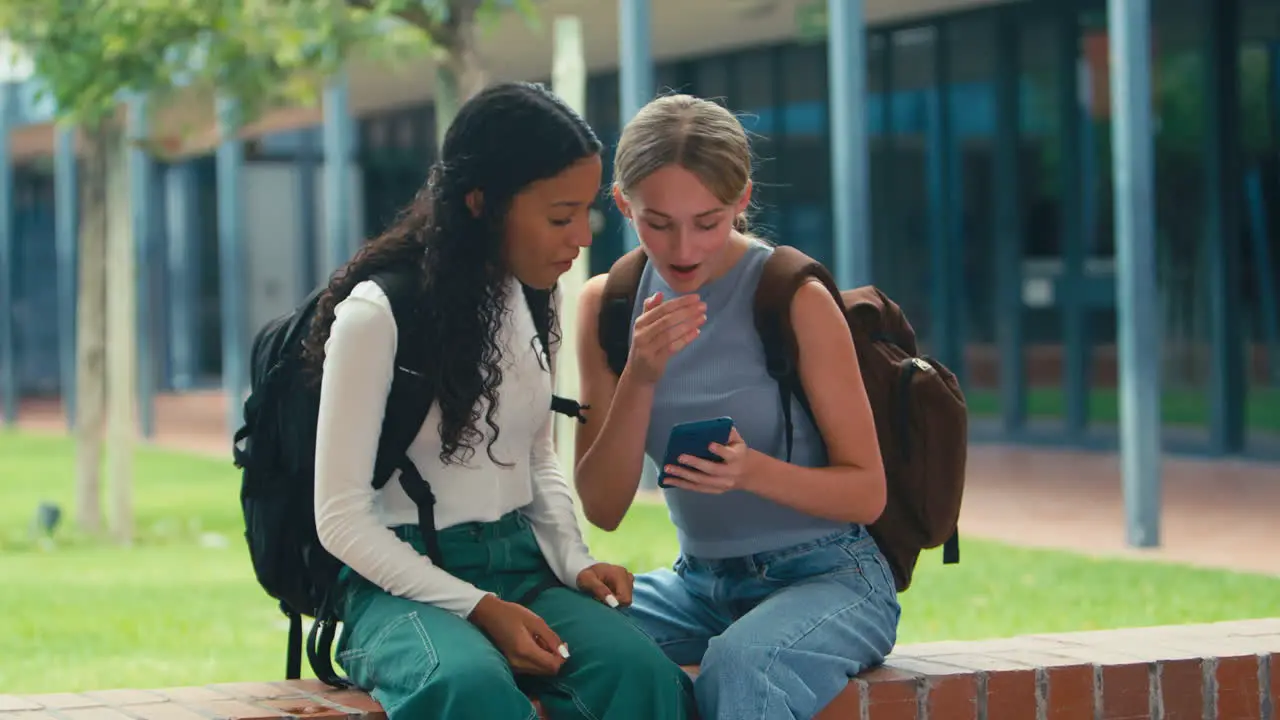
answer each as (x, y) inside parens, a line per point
(956, 91)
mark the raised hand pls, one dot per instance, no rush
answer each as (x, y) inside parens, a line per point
(662, 330)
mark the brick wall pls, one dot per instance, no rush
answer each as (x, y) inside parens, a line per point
(1227, 671)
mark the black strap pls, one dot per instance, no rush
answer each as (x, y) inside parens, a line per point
(412, 386)
(419, 491)
(293, 654)
(951, 549)
(565, 406)
(539, 302)
(533, 593)
(320, 645)
(320, 653)
(784, 395)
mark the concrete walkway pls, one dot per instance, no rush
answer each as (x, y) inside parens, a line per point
(1216, 513)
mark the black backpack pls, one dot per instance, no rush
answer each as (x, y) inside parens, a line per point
(275, 450)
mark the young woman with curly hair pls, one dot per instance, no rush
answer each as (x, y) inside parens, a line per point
(517, 605)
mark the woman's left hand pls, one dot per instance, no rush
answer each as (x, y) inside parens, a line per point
(709, 476)
(610, 584)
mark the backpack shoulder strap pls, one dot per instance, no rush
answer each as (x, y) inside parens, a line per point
(539, 302)
(412, 391)
(402, 290)
(617, 305)
(409, 400)
(784, 272)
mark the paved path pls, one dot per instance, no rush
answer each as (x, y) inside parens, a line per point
(1216, 513)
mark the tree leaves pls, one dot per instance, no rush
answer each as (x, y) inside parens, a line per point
(88, 53)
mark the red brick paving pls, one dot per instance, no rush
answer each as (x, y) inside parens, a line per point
(1217, 513)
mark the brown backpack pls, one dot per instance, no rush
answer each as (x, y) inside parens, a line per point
(920, 413)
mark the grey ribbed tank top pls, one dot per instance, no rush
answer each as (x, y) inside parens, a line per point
(722, 372)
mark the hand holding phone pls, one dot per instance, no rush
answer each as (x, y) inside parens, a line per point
(694, 438)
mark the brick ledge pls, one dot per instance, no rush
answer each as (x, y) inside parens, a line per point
(1228, 670)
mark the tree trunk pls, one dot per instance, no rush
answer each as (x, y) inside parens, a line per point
(91, 334)
(460, 74)
(122, 339)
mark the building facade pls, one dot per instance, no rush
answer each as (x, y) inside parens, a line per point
(991, 200)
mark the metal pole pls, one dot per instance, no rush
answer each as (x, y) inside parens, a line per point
(8, 349)
(337, 154)
(635, 61)
(309, 161)
(183, 259)
(1136, 296)
(231, 260)
(66, 226)
(635, 73)
(847, 86)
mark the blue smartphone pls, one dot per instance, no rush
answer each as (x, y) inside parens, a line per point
(694, 438)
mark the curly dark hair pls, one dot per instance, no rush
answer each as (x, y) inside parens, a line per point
(503, 139)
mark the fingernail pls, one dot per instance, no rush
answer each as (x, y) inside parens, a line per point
(564, 651)
(611, 601)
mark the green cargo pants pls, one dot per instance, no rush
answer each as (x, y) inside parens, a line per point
(421, 662)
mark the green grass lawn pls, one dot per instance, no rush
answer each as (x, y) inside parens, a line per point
(1178, 406)
(182, 607)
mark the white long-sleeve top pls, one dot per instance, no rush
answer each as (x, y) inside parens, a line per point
(353, 519)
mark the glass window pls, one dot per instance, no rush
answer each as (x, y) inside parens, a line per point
(906, 229)
(802, 155)
(669, 78)
(754, 76)
(805, 70)
(971, 64)
(711, 78)
(603, 112)
(1260, 119)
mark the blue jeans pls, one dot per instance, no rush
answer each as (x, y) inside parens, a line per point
(778, 634)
